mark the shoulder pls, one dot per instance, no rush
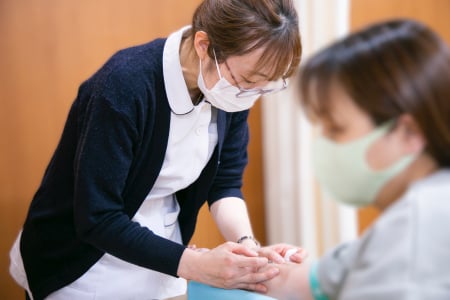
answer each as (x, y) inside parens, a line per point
(430, 202)
(419, 215)
(432, 192)
(425, 204)
(130, 81)
(132, 68)
(409, 240)
(145, 56)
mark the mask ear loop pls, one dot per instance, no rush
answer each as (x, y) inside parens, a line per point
(217, 64)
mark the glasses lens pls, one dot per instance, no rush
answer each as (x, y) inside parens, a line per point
(276, 85)
(271, 87)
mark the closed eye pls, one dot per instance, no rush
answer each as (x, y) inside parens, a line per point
(333, 132)
(248, 81)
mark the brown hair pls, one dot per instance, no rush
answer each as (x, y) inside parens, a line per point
(391, 68)
(237, 27)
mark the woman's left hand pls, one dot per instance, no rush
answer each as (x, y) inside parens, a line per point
(277, 253)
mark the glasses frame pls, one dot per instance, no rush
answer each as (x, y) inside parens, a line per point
(243, 92)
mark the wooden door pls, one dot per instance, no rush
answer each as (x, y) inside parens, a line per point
(434, 13)
(47, 49)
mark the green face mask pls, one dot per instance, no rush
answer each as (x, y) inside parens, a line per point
(343, 172)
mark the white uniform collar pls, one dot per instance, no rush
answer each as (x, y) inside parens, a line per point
(177, 92)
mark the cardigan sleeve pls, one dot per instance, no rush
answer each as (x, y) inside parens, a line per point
(104, 156)
(232, 159)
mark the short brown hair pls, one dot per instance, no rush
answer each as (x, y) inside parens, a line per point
(391, 68)
(237, 27)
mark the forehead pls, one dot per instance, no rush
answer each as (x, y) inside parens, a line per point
(249, 64)
(333, 105)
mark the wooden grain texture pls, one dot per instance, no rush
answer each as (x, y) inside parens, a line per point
(47, 49)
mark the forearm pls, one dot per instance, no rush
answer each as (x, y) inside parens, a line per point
(291, 283)
(138, 245)
(232, 219)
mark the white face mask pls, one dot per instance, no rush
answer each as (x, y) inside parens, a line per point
(223, 94)
(344, 173)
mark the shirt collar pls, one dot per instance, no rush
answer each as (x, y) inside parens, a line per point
(177, 92)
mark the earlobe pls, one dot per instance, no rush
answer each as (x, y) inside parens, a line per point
(413, 138)
(201, 44)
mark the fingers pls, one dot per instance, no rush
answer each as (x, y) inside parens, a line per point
(260, 276)
(253, 281)
(256, 287)
(226, 267)
(271, 254)
(241, 249)
(250, 262)
(283, 252)
(299, 256)
(280, 248)
(246, 257)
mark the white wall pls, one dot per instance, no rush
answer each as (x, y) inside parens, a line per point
(296, 213)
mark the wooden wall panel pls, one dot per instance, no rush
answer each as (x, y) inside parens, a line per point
(434, 13)
(252, 190)
(48, 48)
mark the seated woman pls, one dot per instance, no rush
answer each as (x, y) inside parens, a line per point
(381, 99)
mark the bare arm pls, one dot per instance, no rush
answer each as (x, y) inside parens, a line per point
(231, 217)
(291, 283)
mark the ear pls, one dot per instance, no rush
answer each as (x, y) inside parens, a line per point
(413, 140)
(201, 44)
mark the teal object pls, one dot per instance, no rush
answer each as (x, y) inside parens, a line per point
(200, 291)
(314, 283)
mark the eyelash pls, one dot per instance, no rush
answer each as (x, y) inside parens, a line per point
(248, 81)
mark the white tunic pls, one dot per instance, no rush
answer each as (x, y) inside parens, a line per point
(192, 139)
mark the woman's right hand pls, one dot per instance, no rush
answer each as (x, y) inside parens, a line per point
(229, 266)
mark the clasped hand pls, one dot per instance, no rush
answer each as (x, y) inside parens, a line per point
(235, 266)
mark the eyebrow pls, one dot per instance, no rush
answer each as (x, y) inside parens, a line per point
(245, 77)
(253, 73)
(260, 74)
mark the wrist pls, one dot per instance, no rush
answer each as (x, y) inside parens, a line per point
(249, 241)
(188, 264)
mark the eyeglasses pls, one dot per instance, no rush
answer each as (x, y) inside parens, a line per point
(271, 87)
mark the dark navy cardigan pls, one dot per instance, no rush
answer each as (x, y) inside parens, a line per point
(109, 156)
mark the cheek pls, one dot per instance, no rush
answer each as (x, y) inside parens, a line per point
(383, 153)
(210, 75)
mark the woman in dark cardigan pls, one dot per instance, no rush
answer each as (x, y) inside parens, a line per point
(157, 131)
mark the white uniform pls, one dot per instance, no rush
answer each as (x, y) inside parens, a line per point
(404, 255)
(192, 139)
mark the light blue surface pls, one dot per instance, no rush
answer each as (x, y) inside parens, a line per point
(200, 291)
